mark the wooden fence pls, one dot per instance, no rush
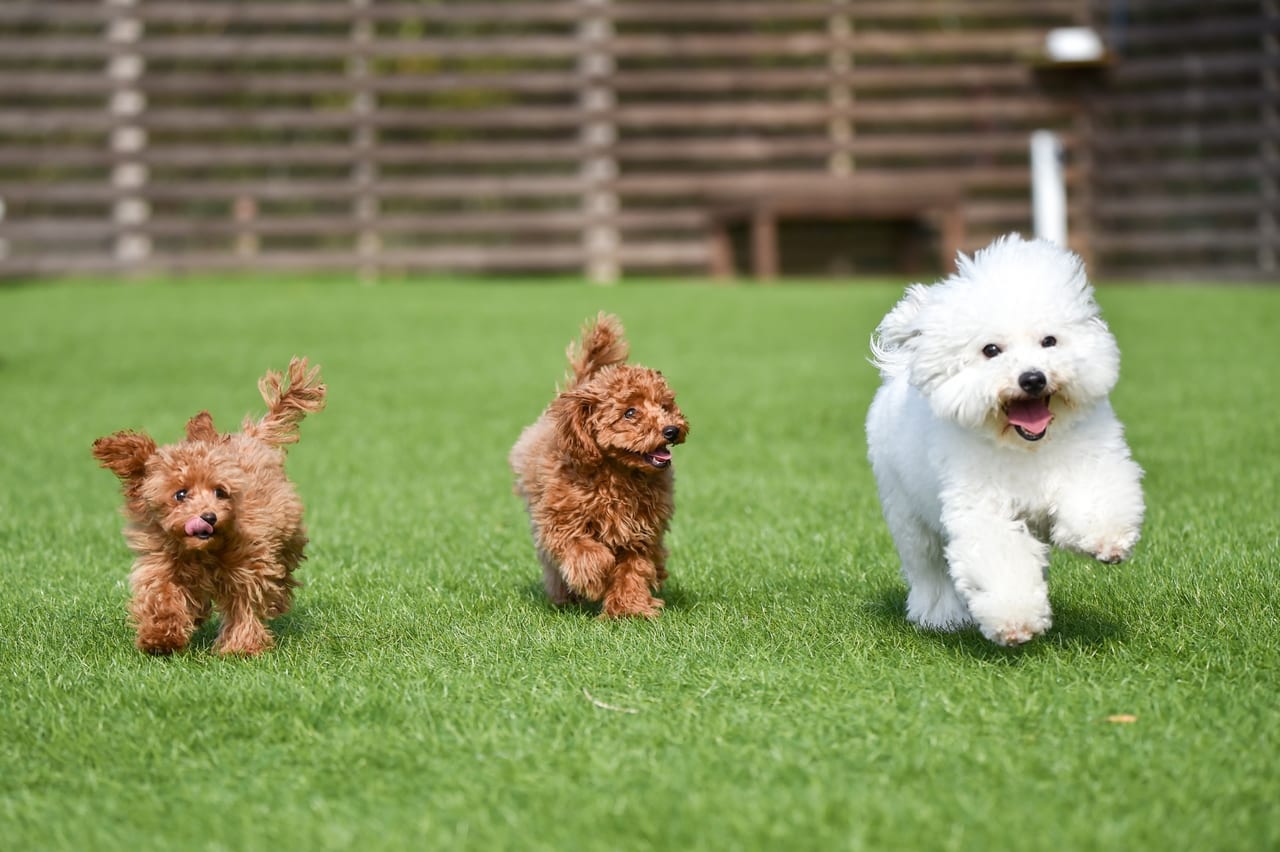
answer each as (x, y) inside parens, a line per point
(586, 136)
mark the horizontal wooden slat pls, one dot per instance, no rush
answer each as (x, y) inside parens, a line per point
(871, 43)
(665, 254)
(476, 258)
(936, 145)
(233, 82)
(759, 113)
(1184, 241)
(685, 185)
(468, 187)
(867, 10)
(862, 78)
(496, 153)
(1188, 67)
(530, 222)
(1198, 31)
(54, 83)
(1243, 269)
(223, 13)
(661, 255)
(1181, 101)
(738, 148)
(879, 43)
(1162, 206)
(539, 118)
(1148, 136)
(1193, 170)
(916, 110)
(530, 186)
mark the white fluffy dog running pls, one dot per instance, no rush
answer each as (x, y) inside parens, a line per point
(992, 436)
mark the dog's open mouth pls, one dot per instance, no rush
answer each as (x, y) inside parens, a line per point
(199, 527)
(659, 458)
(1029, 417)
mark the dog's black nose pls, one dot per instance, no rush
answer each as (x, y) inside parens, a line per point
(671, 433)
(209, 518)
(1033, 382)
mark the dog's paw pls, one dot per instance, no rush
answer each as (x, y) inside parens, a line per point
(1115, 549)
(937, 609)
(1010, 621)
(160, 640)
(244, 642)
(619, 606)
(245, 649)
(159, 649)
(941, 623)
(1015, 633)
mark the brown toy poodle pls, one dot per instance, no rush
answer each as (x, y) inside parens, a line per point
(595, 474)
(214, 520)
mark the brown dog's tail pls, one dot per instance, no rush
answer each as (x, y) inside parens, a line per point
(602, 346)
(287, 403)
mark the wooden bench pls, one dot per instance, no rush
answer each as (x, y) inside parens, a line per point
(762, 204)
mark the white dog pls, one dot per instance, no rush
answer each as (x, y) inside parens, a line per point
(992, 436)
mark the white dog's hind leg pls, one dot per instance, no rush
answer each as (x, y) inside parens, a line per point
(1099, 513)
(932, 600)
(999, 569)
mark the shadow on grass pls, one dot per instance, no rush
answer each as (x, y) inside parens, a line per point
(1074, 627)
(673, 597)
(286, 629)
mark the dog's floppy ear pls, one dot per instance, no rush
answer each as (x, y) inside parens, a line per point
(898, 329)
(125, 454)
(200, 428)
(572, 412)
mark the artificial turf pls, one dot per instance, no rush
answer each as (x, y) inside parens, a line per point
(424, 695)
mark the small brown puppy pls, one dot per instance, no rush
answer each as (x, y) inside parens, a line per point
(595, 474)
(214, 520)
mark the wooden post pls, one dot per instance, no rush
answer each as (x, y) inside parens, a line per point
(244, 210)
(599, 165)
(1268, 232)
(130, 210)
(764, 243)
(364, 139)
(839, 95)
(721, 249)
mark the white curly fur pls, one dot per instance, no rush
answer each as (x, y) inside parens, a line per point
(973, 503)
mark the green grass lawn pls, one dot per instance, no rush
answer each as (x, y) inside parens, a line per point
(423, 694)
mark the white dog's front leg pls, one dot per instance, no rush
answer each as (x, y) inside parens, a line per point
(1099, 512)
(932, 600)
(999, 570)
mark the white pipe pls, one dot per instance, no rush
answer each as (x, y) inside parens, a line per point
(1048, 190)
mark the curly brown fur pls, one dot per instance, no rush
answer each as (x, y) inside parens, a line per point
(214, 521)
(595, 473)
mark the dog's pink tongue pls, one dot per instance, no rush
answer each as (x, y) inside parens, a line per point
(1031, 414)
(661, 455)
(197, 525)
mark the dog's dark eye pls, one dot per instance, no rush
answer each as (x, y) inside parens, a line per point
(1049, 341)
(181, 495)
(991, 350)
(629, 413)
(220, 493)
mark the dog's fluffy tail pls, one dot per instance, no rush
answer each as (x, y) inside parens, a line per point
(287, 403)
(602, 346)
